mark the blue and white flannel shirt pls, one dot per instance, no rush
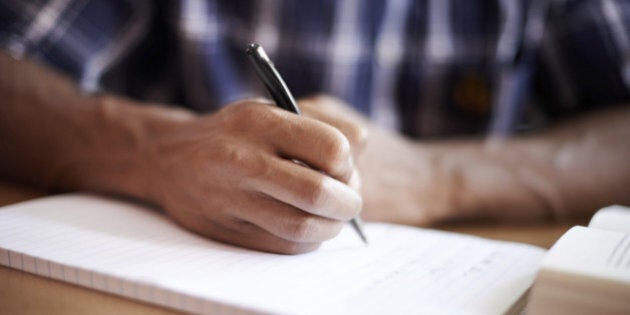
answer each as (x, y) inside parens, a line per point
(427, 67)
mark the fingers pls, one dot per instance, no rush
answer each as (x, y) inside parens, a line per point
(308, 190)
(318, 145)
(313, 142)
(335, 113)
(233, 178)
(244, 234)
(263, 241)
(288, 222)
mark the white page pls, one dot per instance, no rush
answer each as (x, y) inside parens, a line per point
(135, 252)
(612, 218)
(591, 252)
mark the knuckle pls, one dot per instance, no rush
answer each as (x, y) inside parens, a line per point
(249, 108)
(316, 193)
(337, 152)
(323, 99)
(234, 114)
(302, 229)
(251, 113)
(358, 134)
(235, 157)
(315, 99)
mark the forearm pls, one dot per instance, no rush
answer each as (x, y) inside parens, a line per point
(571, 169)
(229, 176)
(56, 137)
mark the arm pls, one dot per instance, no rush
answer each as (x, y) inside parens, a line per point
(228, 176)
(573, 168)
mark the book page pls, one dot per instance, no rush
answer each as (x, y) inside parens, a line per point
(612, 218)
(591, 252)
(139, 253)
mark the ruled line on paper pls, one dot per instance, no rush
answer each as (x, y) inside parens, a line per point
(4, 257)
(40, 266)
(130, 251)
(14, 259)
(55, 271)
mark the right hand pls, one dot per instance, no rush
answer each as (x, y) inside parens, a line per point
(232, 176)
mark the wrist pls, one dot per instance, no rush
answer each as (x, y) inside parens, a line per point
(458, 168)
(497, 179)
(116, 152)
(449, 183)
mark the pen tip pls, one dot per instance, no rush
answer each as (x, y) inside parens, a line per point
(364, 239)
(357, 224)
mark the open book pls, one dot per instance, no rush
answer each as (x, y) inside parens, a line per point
(587, 271)
(128, 250)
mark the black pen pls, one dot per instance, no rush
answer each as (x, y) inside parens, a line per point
(283, 98)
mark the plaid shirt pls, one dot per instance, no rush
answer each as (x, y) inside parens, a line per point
(430, 68)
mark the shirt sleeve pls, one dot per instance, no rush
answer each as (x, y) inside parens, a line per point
(81, 39)
(584, 54)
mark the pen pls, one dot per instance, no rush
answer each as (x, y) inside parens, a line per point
(283, 98)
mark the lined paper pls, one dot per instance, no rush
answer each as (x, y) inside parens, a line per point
(125, 249)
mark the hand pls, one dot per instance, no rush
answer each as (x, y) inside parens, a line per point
(336, 113)
(421, 183)
(232, 176)
(402, 181)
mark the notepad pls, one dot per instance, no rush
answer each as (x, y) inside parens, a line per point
(126, 249)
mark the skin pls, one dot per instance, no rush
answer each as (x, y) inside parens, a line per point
(233, 175)
(230, 176)
(571, 169)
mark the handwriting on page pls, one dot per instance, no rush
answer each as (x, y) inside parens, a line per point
(138, 253)
(441, 272)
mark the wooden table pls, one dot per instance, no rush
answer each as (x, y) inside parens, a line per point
(23, 293)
